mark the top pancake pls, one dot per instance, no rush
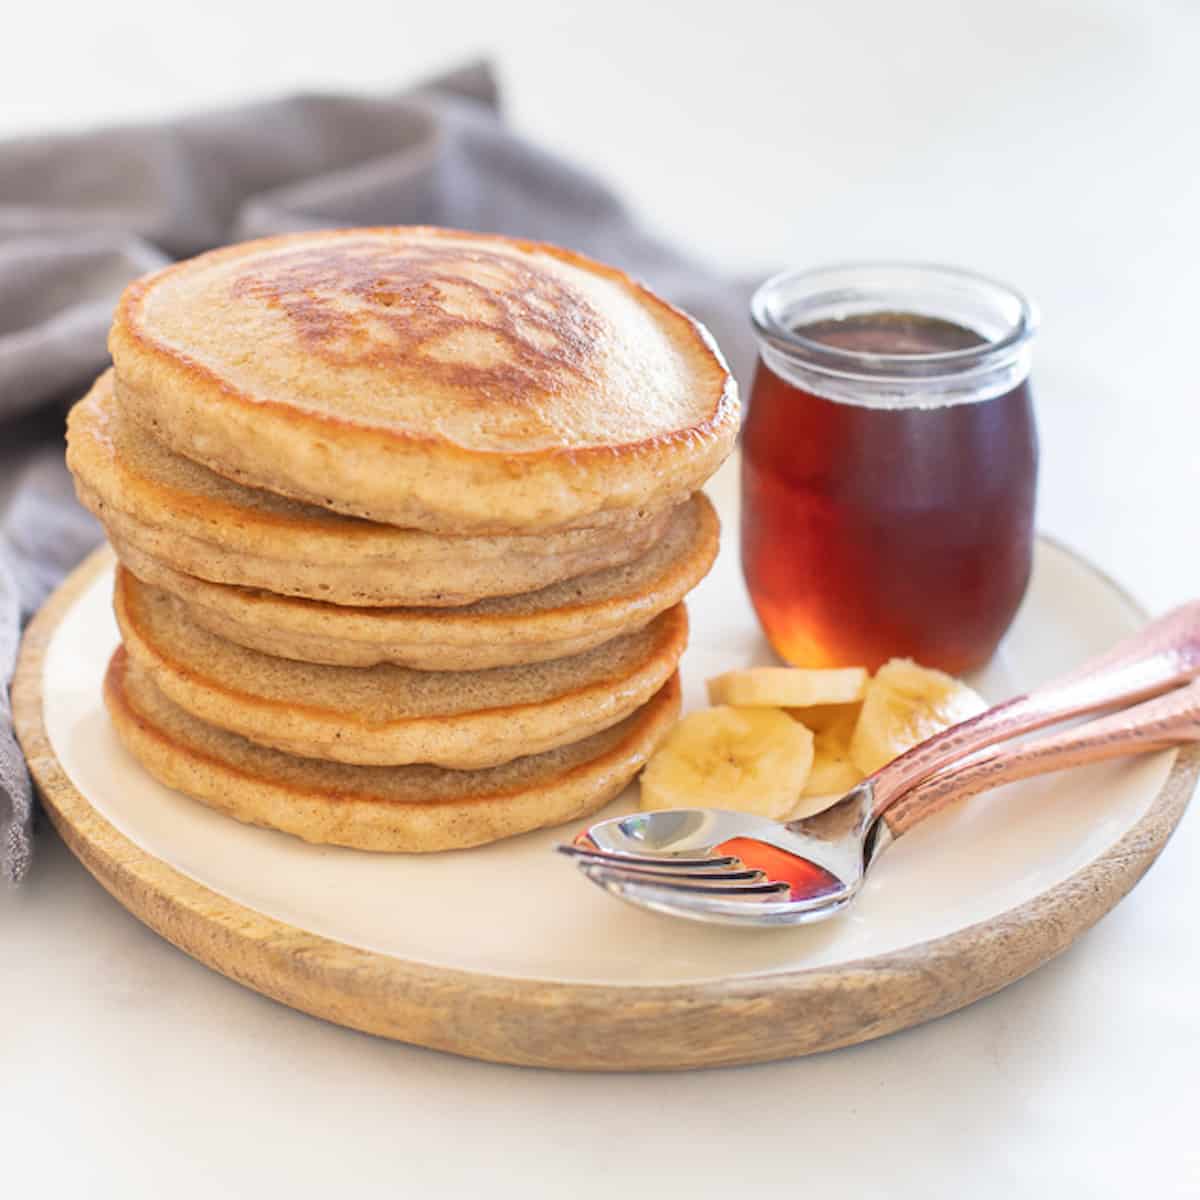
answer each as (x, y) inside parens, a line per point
(441, 380)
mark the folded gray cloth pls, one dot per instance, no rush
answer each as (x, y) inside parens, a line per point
(81, 215)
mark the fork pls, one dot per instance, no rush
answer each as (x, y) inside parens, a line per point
(736, 868)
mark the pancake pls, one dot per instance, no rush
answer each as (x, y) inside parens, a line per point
(556, 622)
(378, 808)
(202, 524)
(430, 378)
(393, 715)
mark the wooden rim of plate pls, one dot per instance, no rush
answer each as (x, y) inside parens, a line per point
(573, 1025)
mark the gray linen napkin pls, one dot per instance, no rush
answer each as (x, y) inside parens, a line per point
(82, 214)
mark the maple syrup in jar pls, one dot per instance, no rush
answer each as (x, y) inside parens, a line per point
(889, 465)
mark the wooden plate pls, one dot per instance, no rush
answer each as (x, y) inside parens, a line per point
(504, 954)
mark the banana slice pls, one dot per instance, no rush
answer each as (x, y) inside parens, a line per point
(904, 705)
(833, 771)
(838, 719)
(788, 687)
(750, 759)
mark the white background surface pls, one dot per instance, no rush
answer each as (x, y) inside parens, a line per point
(1051, 143)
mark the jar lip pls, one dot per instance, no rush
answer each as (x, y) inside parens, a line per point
(873, 365)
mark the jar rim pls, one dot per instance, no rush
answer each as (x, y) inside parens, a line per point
(818, 283)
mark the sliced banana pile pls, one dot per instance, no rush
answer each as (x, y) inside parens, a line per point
(786, 742)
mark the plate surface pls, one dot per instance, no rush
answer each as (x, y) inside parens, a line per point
(505, 953)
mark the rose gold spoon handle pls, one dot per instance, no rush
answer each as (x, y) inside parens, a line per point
(1155, 725)
(1162, 656)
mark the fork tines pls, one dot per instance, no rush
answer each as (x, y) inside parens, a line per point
(714, 875)
(667, 862)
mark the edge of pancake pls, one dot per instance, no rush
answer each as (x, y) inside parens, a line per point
(434, 639)
(380, 823)
(399, 476)
(330, 556)
(465, 740)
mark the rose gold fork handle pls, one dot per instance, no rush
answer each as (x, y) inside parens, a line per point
(1161, 656)
(1155, 725)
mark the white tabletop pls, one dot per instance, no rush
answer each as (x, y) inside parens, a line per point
(1052, 145)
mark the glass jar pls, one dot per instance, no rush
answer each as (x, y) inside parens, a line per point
(889, 465)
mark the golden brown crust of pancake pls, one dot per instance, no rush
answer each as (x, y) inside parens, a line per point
(201, 524)
(556, 622)
(409, 809)
(430, 378)
(387, 714)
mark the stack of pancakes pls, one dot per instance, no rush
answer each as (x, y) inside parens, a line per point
(405, 520)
